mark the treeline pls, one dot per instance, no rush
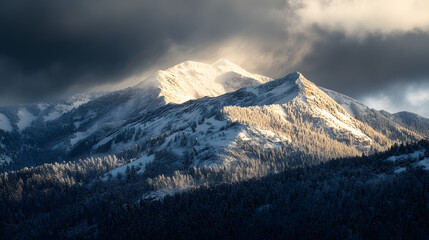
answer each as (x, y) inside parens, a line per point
(350, 198)
(346, 198)
(45, 189)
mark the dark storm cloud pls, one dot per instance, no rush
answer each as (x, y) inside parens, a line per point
(50, 46)
(360, 68)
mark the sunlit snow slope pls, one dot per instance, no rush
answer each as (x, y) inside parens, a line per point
(70, 126)
(193, 80)
(289, 117)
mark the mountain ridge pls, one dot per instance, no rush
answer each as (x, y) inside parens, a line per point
(283, 112)
(289, 116)
(71, 131)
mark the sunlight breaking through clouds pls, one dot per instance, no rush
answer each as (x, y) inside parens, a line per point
(361, 17)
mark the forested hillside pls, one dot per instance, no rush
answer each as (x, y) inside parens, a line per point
(381, 196)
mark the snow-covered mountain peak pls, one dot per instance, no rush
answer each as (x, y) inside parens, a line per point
(305, 86)
(305, 90)
(296, 92)
(312, 95)
(293, 86)
(192, 80)
(295, 79)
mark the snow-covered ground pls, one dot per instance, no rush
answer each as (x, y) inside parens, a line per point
(77, 137)
(5, 123)
(52, 116)
(69, 104)
(413, 159)
(351, 105)
(25, 118)
(341, 124)
(4, 159)
(139, 163)
(414, 155)
(424, 163)
(162, 193)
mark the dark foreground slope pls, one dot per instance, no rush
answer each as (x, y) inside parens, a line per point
(352, 198)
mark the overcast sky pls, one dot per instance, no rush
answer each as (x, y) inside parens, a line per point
(376, 51)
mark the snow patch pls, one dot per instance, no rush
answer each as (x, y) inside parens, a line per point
(77, 137)
(161, 194)
(138, 163)
(82, 135)
(266, 138)
(336, 123)
(25, 118)
(414, 155)
(5, 123)
(4, 159)
(410, 159)
(69, 104)
(42, 106)
(424, 163)
(349, 104)
(52, 116)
